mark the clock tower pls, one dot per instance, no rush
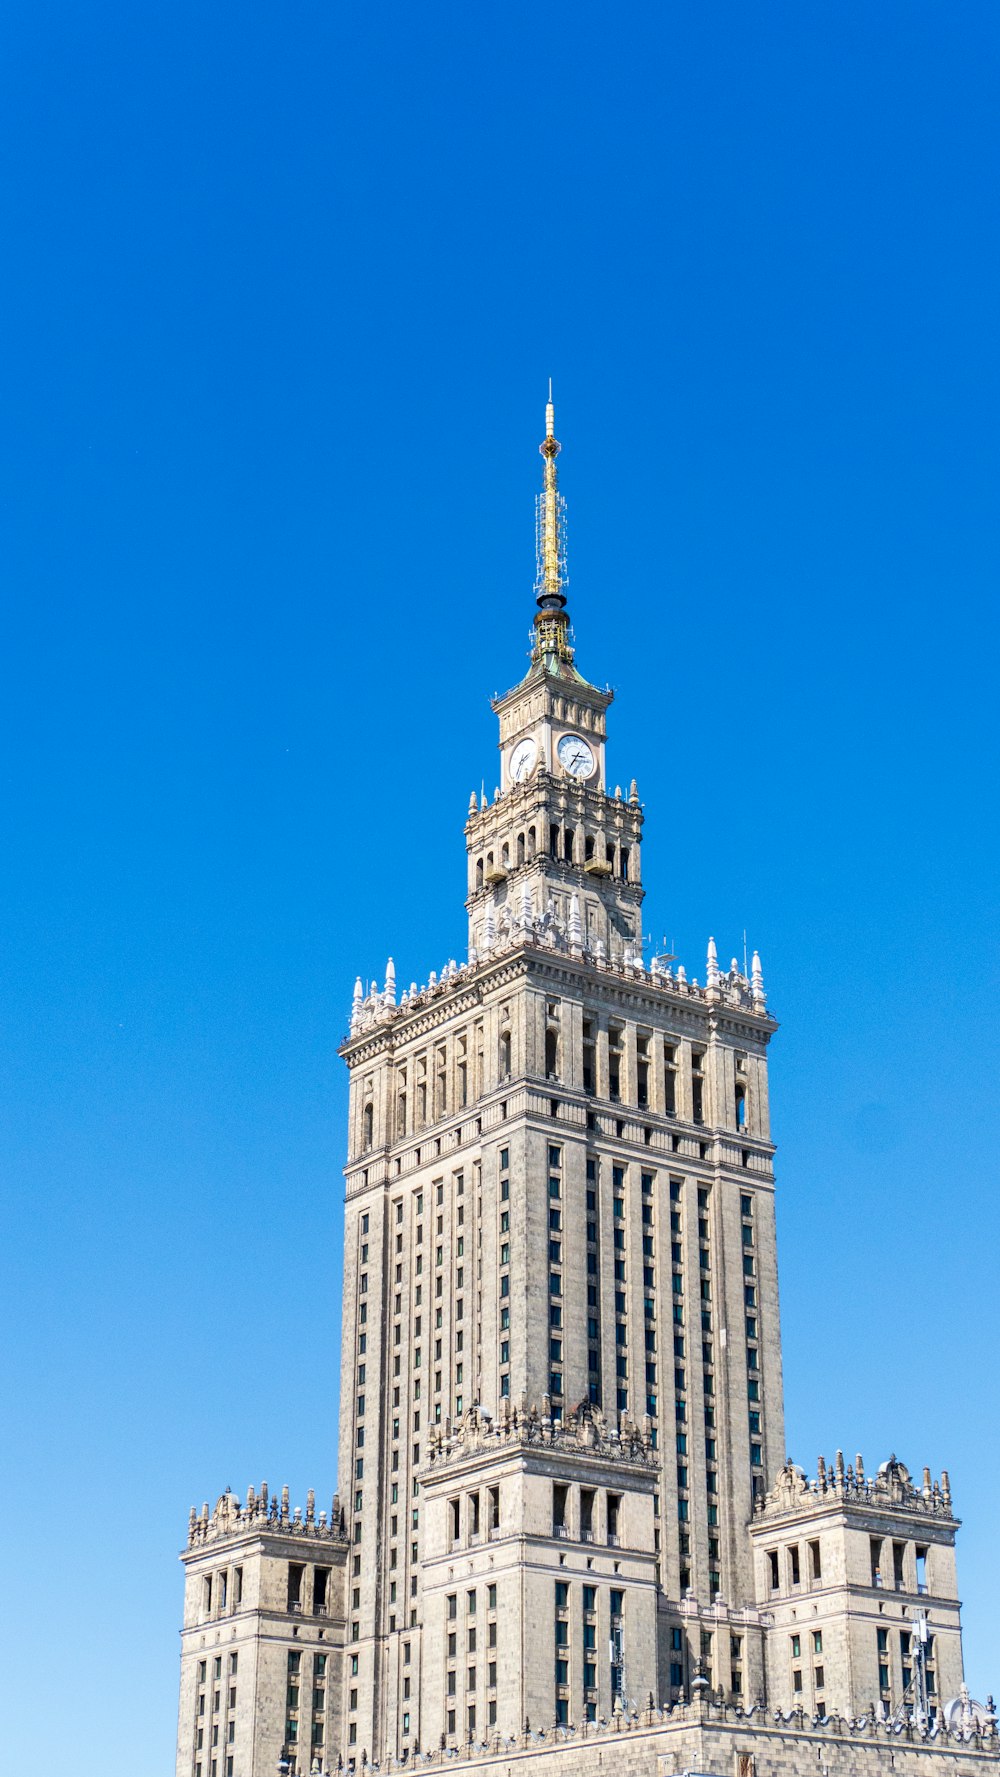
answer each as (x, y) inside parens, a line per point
(574, 847)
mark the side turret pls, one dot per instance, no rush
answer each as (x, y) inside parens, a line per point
(858, 1574)
(264, 1610)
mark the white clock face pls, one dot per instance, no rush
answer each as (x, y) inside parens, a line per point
(522, 760)
(575, 756)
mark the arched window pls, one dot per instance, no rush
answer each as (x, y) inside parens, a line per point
(624, 863)
(531, 843)
(554, 841)
(588, 848)
(505, 858)
(551, 1054)
(568, 845)
(479, 873)
(520, 848)
(741, 1106)
(504, 1054)
(367, 1124)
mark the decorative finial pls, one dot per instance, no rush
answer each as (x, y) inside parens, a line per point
(551, 623)
(712, 967)
(389, 997)
(757, 984)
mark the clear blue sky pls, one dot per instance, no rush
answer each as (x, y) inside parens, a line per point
(282, 289)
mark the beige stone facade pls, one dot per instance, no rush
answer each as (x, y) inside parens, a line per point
(564, 1498)
(859, 1581)
(262, 1646)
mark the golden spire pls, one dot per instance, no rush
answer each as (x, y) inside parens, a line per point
(551, 623)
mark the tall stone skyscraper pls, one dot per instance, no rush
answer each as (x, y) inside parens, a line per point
(563, 1497)
(559, 1195)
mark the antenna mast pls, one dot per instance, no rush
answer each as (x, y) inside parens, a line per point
(551, 578)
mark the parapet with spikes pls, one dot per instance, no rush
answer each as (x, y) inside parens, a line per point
(583, 1430)
(516, 927)
(836, 1482)
(264, 1511)
(701, 1734)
